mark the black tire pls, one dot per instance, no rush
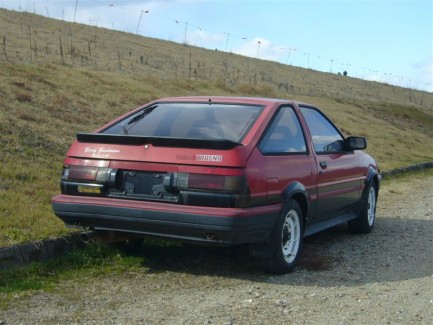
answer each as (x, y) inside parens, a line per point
(366, 219)
(286, 240)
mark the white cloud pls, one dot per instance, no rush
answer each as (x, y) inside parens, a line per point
(199, 37)
(423, 74)
(261, 48)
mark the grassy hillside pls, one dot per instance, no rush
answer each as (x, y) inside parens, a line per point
(59, 78)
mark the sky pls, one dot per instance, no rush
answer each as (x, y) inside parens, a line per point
(388, 41)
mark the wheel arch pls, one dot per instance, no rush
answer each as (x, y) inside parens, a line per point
(297, 192)
(366, 215)
(373, 176)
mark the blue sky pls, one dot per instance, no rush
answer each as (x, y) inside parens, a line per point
(388, 41)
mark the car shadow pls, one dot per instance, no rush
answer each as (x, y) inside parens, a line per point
(396, 250)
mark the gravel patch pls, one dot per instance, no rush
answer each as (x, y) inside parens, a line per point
(385, 277)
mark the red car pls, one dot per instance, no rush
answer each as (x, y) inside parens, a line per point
(223, 171)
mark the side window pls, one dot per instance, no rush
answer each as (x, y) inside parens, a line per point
(284, 134)
(326, 137)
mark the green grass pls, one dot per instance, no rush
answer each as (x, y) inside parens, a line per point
(91, 261)
(45, 99)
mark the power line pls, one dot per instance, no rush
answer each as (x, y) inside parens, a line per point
(387, 77)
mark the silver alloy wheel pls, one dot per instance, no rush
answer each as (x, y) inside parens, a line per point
(371, 206)
(291, 236)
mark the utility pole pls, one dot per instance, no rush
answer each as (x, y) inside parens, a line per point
(288, 56)
(258, 47)
(136, 32)
(75, 12)
(227, 41)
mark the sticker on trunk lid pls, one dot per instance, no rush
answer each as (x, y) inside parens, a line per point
(101, 152)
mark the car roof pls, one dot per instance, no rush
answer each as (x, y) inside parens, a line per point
(231, 99)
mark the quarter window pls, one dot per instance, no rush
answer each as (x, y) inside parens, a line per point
(284, 134)
(326, 138)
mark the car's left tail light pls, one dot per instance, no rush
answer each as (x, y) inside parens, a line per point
(90, 173)
(87, 180)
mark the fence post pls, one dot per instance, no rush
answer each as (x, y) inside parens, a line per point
(30, 43)
(120, 62)
(4, 47)
(61, 50)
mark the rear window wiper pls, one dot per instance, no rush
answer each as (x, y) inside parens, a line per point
(138, 117)
(142, 114)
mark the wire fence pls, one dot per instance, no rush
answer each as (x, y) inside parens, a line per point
(182, 31)
(34, 39)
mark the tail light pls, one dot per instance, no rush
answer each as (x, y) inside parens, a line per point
(209, 190)
(90, 173)
(183, 181)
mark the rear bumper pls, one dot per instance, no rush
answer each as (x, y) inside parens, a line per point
(227, 226)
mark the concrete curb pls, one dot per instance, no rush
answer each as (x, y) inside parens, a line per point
(412, 168)
(40, 251)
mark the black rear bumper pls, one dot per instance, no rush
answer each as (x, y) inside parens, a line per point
(206, 225)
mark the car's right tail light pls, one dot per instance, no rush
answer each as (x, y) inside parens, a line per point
(220, 183)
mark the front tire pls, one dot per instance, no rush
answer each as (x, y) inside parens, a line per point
(366, 219)
(286, 241)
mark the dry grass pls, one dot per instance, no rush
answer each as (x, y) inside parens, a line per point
(34, 39)
(48, 92)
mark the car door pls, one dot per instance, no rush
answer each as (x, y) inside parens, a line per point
(339, 177)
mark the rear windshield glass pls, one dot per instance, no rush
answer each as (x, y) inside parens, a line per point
(190, 121)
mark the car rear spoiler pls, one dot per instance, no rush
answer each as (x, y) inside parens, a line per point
(134, 140)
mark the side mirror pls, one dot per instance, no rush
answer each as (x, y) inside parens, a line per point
(356, 143)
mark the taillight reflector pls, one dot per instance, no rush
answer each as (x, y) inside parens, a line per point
(88, 173)
(209, 182)
(83, 172)
(212, 182)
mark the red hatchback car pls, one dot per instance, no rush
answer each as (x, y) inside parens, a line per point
(222, 171)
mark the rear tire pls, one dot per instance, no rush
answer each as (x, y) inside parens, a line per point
(364, 223)
(286, 240)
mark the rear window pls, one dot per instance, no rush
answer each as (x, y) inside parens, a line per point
(190, 121)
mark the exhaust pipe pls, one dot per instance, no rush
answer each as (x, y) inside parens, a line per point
(86, 236)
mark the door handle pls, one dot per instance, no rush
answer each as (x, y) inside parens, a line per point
(323, 164)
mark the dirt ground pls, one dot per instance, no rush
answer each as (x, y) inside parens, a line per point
(385, 277)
